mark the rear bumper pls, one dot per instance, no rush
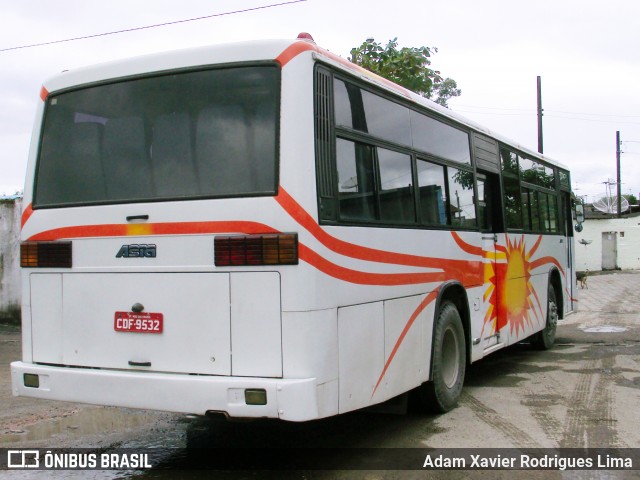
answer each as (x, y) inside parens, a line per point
(292, 400)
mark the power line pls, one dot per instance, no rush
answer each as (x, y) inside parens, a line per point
(146, 27)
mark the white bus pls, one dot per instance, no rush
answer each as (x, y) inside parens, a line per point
(267, 230)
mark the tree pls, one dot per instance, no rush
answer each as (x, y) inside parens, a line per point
(408, 67)
(631, 198)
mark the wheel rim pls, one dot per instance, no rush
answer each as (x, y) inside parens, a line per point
(552, 321)
(450, 357)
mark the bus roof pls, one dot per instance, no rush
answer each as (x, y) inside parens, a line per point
(282, 51)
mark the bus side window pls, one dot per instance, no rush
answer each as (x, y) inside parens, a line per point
(432, 193)
(461, 204)
(355, 180)
(396, 187)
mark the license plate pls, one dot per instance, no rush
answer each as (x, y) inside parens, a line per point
(138, 322)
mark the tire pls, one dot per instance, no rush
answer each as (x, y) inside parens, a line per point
(448, 366)
(544, 339)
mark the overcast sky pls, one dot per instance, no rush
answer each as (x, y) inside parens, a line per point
(587, 53)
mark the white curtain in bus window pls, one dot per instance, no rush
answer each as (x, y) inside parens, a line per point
(396, 187)
(431, 183)
(356, 190)
(461, 205)
(439, 139)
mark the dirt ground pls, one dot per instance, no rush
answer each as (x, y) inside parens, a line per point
(31, 422)
(582, 393)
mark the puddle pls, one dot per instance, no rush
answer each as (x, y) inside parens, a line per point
(603, 329)
(92, 421)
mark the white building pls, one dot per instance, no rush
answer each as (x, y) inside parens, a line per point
(608, 244)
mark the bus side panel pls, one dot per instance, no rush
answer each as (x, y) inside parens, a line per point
(47, 322)
(361, 350)
(524, 289)
(384, 350)
(310, 350)
(406, 343)
(256, 337)
(196, 321)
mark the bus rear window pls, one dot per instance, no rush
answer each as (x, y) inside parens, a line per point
(197, 134)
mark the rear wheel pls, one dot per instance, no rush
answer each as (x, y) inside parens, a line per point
(441, 394)
(544, 339)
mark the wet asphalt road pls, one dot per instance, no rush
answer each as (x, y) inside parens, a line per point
(582, 393)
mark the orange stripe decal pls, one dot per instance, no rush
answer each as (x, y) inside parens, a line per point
(465, 247)
(293, 51)
(366, 278)
(468, 272)
(121, 230)
(424, 304)
(534, 248)
(544, 261)
(26, 214)
(44, 93)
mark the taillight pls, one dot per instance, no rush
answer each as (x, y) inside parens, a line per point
(268, 249)
(45, 254)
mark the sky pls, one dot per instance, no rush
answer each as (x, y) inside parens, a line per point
(586, 52)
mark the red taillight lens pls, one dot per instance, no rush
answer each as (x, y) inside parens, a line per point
(45, 254)
(269, 249)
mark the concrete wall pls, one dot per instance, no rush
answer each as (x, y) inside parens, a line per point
(10, 285)
(626, 231)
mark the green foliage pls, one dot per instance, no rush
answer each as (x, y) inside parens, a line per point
(631, 199)
(408, 67)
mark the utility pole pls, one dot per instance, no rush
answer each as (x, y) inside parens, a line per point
(618, 171)
(540, 147)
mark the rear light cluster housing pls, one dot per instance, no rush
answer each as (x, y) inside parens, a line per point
(267, 249)
(45, 255)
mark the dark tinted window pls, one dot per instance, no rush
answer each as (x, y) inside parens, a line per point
(187, 135)
(343, 104)
(512, 202)
(356, 187)
(370, 113)
(396, 187)
(386, 119)
(509, 162)
(433, 196)
(440, 139)
(461, 201)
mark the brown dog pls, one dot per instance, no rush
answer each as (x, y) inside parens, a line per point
(582, 279)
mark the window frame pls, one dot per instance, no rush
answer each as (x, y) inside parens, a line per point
(356, 135)
(155, 75)
(532, 190)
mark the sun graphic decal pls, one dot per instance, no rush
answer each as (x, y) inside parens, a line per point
(515, 299)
